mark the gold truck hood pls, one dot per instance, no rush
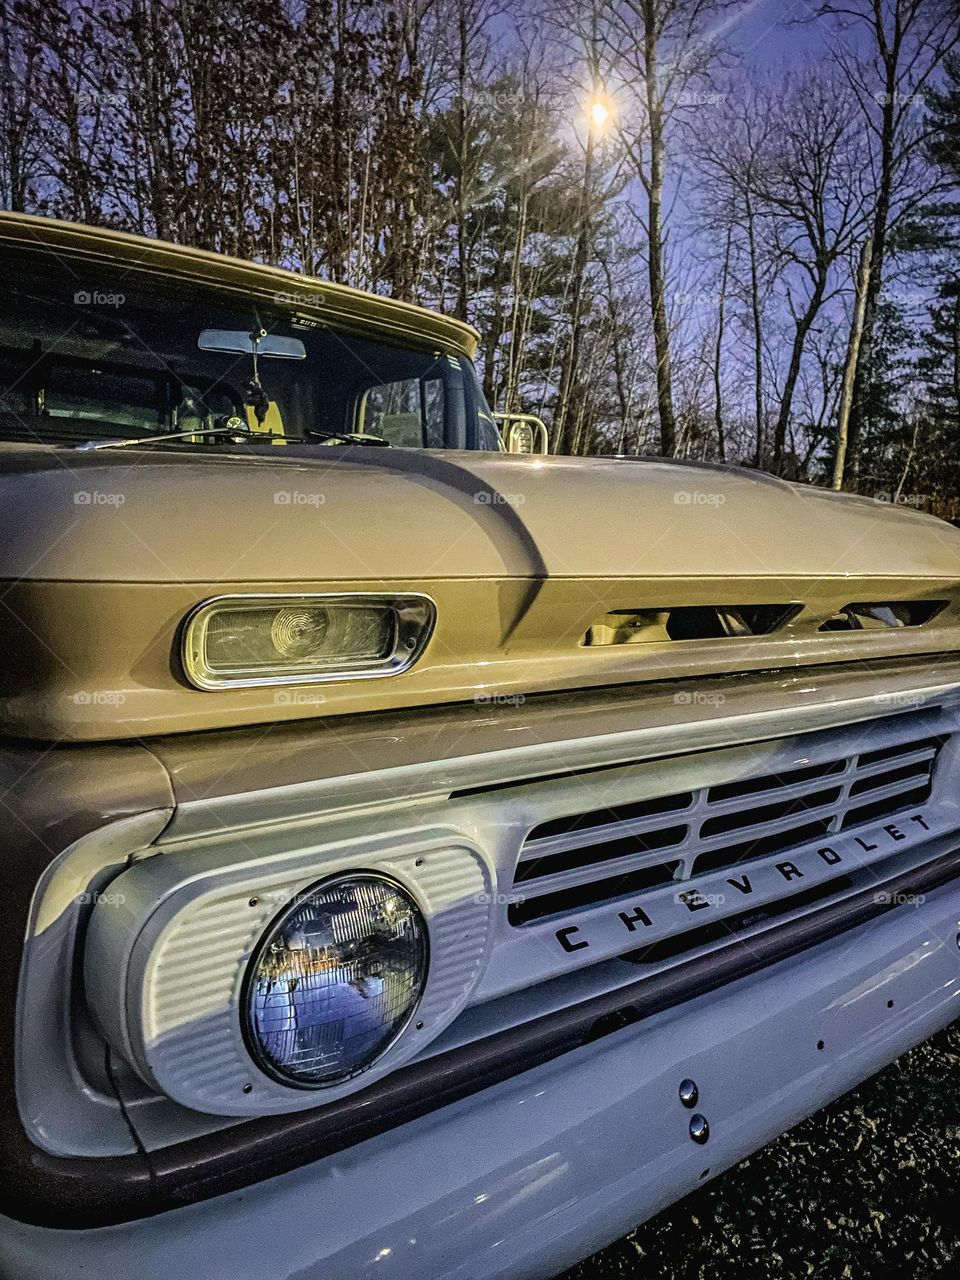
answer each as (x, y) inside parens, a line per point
(539, 567)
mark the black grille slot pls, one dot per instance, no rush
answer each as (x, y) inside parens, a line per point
(583, 895)
(901, 749)
(606, 851)
(613, 814)
(772, 781)
(761, 847)
(885, 808)
(921, 769)
(768, 812)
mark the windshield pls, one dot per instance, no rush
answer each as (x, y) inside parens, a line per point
(89, 352)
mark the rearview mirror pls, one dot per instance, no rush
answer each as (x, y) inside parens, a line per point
(523, 433)
(236, 342)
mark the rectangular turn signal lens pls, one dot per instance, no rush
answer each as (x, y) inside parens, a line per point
(237, 641)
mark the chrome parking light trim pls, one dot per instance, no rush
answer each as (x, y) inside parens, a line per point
(416, 615)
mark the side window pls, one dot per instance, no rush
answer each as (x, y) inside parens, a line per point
(408, 413)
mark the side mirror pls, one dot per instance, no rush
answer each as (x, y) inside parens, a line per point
(236, 342)
(523, 433)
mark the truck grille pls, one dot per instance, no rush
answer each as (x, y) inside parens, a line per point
(575, 862)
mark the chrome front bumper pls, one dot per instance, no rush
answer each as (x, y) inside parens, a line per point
(527, 1176)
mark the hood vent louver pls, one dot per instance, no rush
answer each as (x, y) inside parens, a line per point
(728, 621)
(689, 622)
(883, 615)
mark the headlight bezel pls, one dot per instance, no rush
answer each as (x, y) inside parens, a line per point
(415, 616)
(251, 1038)
(178, 1023)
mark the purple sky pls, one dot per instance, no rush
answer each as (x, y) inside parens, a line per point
(771, 33)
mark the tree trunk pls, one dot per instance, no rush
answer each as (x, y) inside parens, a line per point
(515, 351)
(655, 255)
(850, 367)
(14, 118)
(803, 326)
(461, 201)
(337, 249)
(757, 331)
(718, 352)
(581, 257)
(878, 239)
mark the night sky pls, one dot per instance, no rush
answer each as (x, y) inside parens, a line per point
(778, 33)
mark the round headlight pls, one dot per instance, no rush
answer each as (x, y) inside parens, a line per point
(335, 980)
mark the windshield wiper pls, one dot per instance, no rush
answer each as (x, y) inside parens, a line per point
(232, 436)
(351, 437)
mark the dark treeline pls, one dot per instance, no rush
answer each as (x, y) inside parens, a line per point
(666, 247)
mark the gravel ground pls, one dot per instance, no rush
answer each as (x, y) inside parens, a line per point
(868, 1187)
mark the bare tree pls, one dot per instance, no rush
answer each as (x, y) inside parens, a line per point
(890, 52)
(732, 148)
(813, 201)
(18, 123)
(664, 48)
(463, 115)
(582, 27)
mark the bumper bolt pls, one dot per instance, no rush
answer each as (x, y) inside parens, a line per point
(689, 1093)
(699, 1129)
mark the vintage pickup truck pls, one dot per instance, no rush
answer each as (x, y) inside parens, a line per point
(423, 861)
